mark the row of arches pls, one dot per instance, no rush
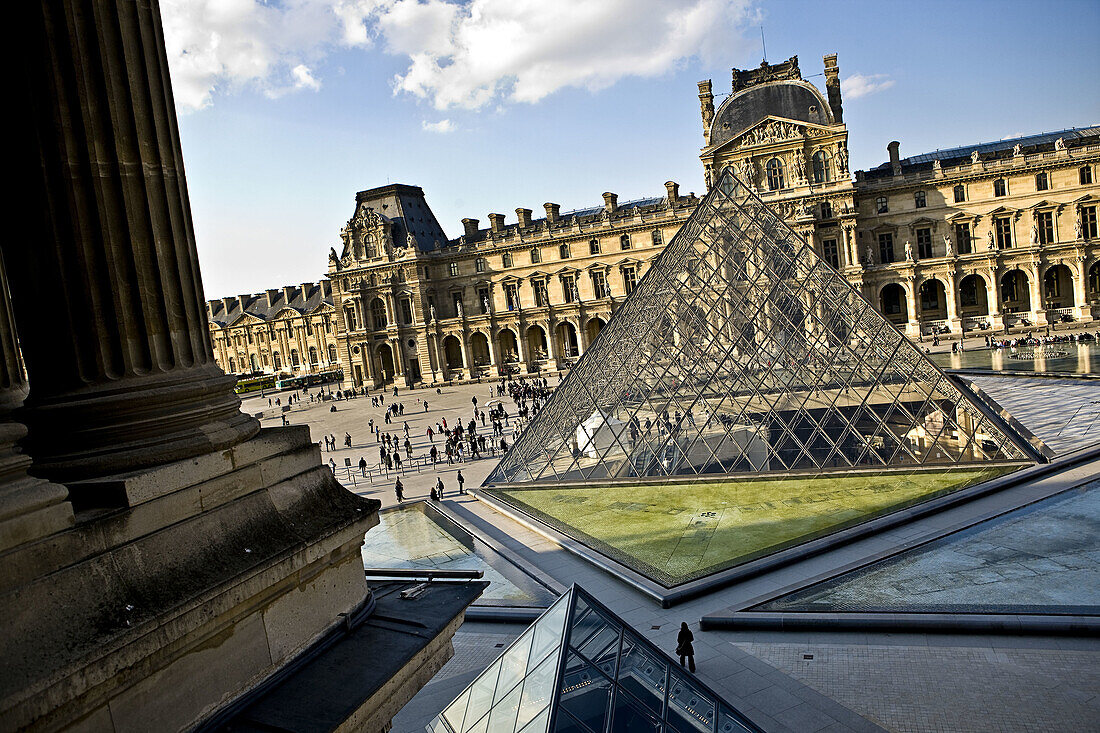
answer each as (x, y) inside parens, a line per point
(974, 298)
(536, 347)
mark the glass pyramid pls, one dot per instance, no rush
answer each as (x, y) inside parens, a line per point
(580, 669)
(742, 351)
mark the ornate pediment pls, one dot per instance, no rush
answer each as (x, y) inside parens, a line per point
(777, 129)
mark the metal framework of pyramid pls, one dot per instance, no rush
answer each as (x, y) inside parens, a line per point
(742, 351)
(580, 669)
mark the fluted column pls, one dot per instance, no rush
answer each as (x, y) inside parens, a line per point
(118, 355)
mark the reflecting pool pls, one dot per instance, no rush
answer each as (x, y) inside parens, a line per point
(1065, 358)
(420, 537)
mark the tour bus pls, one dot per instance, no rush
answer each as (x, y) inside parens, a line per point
(255, 384)
(308, 380)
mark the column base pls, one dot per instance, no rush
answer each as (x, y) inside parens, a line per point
(134, 423)
(224, 567)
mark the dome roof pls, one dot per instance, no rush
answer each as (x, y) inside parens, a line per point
(792, 99)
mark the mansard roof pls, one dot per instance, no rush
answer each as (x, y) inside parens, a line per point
(268, 305)
(1043, 142)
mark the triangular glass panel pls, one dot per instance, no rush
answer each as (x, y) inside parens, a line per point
(634, 686)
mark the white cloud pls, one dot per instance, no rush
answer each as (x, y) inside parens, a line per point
(861, 85)
(460, 55)
(304, 79)
(442, 126)
(525, 50)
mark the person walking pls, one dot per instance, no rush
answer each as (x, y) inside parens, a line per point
(439, 487)
(399, 489)
(461, 482)
(684, 647)
(362, 465)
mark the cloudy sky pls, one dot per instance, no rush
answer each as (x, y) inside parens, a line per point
(287, 108)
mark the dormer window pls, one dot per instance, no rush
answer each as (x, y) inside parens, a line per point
(821, 167)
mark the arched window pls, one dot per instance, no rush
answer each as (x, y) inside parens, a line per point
(624, 241)
(821, 167)
(593, 246)
(563, 251)
(332, 354)
(536, 256)
(378, 313)
(658, 240)
(775, 174)
(960, 193)
(313, 356)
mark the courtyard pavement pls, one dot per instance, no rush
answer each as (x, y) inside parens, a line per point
(854, 681)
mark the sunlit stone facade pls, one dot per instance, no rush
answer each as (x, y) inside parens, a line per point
(979, 238)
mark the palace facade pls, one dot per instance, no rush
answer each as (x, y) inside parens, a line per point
(988, 237)
(288, 330)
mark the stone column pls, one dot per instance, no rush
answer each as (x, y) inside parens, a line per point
(954, 318)
(119, 358)
(552, 346)
(1081, 309)
(30, 508)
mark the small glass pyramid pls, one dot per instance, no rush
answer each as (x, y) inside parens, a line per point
(580, 669)
(742, 351)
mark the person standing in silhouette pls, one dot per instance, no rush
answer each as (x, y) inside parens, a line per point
(684, 647)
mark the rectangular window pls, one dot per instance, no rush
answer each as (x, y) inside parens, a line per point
(1003, 226)
(479, 264)
(1044, 222)
(624, 241)
(920, 199)
(1042, 182)
(826, 210)
(536, 256)
(962, 239)
(830, 253)
(960, 193)
(924, 243)
(506, 259)
(568, 289)
(1088, 222)
(880, 205)
(599, 285)
(406, 311)
(1086, 175)
(1000, 187)
(563, 251)
(452, 268)
(658, 239)
(594, 247)
(541, 298)
(630, 279)
(511, 296)
(886, 247)
(483, 299)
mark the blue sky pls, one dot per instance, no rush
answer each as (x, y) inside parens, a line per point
(287, 109)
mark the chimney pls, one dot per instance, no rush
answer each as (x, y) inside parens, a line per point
(228, 302)
(706, 108)
(306, 287)
(610, 202)
(673, 190)
(326, 288)
(895, 158)
(210, 305)
(832, 86)
(551, 211)
(496, 223)
(524, 217)
(470, 227)
(288, 294)
(243, 300)
(271, 296)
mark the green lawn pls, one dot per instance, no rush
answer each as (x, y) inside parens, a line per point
(674, 533)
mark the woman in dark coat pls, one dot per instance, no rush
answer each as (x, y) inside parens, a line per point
(684, 647)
